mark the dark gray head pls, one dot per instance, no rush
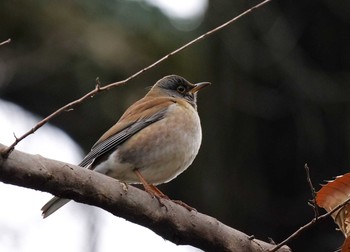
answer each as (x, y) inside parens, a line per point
(178, 87)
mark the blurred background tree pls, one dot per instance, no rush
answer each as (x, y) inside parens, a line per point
(280, 95)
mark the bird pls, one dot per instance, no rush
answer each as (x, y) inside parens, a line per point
(155, 140)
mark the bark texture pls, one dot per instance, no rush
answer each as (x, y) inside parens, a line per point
(169, 220)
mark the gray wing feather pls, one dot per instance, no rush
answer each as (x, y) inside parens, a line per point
(117, 139)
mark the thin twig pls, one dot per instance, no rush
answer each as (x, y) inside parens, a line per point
(98, 83)
(312, 202)
(307, 225)
(5, 42)
(99, 89)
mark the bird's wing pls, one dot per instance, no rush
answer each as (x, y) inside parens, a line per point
(125, 128)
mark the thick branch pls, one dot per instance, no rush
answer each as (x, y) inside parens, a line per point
(171, 221)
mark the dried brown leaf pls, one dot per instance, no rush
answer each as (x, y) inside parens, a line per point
(333, 194)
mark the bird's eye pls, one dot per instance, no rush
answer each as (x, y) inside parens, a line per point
(181, 89)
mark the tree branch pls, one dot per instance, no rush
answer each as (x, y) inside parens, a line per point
(314, 221)
(171, 221)
(317, 217)
(5, 42)
(312, 202)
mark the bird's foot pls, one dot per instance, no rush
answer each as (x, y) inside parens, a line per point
(183, 204)
(156, 193)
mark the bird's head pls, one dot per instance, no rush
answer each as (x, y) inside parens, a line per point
(178, 87)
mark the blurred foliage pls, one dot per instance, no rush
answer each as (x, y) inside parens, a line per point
(280, 95)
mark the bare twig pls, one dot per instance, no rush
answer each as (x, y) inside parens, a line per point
(312, 202)
(308, 225)
(66, 107)
(5, 42)
(99, 89)
(98, 83)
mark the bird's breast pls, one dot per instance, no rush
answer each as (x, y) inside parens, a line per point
(162, 150)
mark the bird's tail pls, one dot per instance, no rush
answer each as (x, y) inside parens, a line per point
(53, 205)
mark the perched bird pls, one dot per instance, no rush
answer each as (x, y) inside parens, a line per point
(154, 141)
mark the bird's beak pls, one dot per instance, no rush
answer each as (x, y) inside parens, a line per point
(199, 86)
